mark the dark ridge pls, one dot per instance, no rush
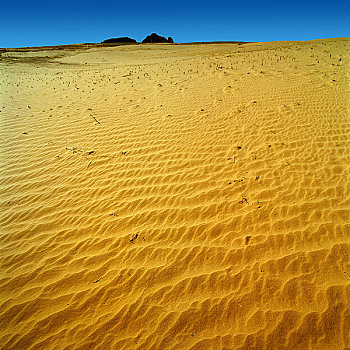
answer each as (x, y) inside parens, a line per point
(123, 39)
(155, 38)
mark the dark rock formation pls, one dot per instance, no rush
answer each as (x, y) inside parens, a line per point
(170, 40)
(123, 39)
(155, 38)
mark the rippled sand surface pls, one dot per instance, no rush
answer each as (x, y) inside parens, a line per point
(176, 197)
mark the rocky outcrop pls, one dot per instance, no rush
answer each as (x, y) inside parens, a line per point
(123, 39)
(155, 38)
(170, 40)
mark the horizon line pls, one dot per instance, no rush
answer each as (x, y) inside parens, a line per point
(179, 43)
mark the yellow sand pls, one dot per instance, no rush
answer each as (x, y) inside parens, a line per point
(230, 163)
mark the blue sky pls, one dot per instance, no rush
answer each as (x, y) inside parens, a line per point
(55, 22)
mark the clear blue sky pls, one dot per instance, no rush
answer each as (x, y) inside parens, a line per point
(54, 22)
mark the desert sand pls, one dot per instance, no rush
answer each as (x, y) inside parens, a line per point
(180, 196)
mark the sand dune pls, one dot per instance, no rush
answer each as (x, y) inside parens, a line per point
(176, 197)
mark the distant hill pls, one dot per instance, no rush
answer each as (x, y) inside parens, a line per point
(123, 39)
(155, 38)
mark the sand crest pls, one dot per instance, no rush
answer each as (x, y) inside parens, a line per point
(176, 197)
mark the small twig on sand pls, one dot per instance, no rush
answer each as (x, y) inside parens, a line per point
(96, 120)
(98, 280)
(243, 199)
(89, 163)
(134, 237)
